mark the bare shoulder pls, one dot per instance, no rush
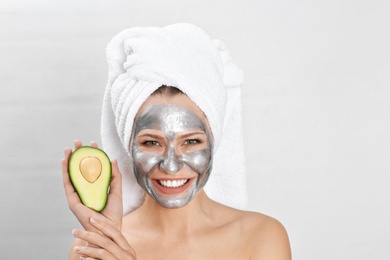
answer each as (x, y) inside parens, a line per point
(263, 236)
(268, 236)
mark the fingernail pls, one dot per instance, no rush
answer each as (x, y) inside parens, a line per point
(77, 249)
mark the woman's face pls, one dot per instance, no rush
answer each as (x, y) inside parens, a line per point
(171, 149)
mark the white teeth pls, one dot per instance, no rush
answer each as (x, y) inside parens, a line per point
(173, 184)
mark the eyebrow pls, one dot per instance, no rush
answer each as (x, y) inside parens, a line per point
(180, 136)
(151, 135)
(191, 134)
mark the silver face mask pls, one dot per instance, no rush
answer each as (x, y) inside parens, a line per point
(171, 154)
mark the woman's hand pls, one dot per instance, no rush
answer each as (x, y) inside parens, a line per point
(112, 212)
(108, 244)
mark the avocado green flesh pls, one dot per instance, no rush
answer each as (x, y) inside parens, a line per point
(90, 174)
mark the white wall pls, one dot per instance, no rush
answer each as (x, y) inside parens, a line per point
(315, 100)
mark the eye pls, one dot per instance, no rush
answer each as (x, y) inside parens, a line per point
(192, 141)
(150, 143)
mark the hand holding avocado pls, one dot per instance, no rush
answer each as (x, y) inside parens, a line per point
(85, 167)
(91, 172)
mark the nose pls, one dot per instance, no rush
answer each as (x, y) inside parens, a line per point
(171, 162)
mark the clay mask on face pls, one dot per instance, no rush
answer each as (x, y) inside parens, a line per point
(175, 149)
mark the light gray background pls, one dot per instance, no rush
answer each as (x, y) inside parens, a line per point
(315, 100)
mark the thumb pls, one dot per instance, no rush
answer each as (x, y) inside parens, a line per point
(116, 180)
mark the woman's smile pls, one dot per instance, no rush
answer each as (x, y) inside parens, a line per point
(172, 183)
(172, 186)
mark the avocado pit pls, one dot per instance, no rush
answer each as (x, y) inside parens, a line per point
(90, 168)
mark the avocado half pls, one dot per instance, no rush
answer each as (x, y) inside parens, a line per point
(90, 173)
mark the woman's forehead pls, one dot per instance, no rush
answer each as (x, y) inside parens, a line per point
(170, 119)
(181, 102)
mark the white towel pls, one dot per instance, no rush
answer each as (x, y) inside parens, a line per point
(140, 60)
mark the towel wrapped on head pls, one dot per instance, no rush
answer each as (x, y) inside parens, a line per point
(141, 60)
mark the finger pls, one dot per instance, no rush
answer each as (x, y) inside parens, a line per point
(88, 252)
(111, 232)
(67, 153)
(77, 144)
(70, 192)
(94, 144)
(116, 180)
(69, 189)
(102, 242)
(87, 258)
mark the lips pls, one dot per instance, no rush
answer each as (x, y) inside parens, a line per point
(172, 186)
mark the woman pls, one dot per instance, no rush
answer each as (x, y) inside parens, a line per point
(170, 139)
